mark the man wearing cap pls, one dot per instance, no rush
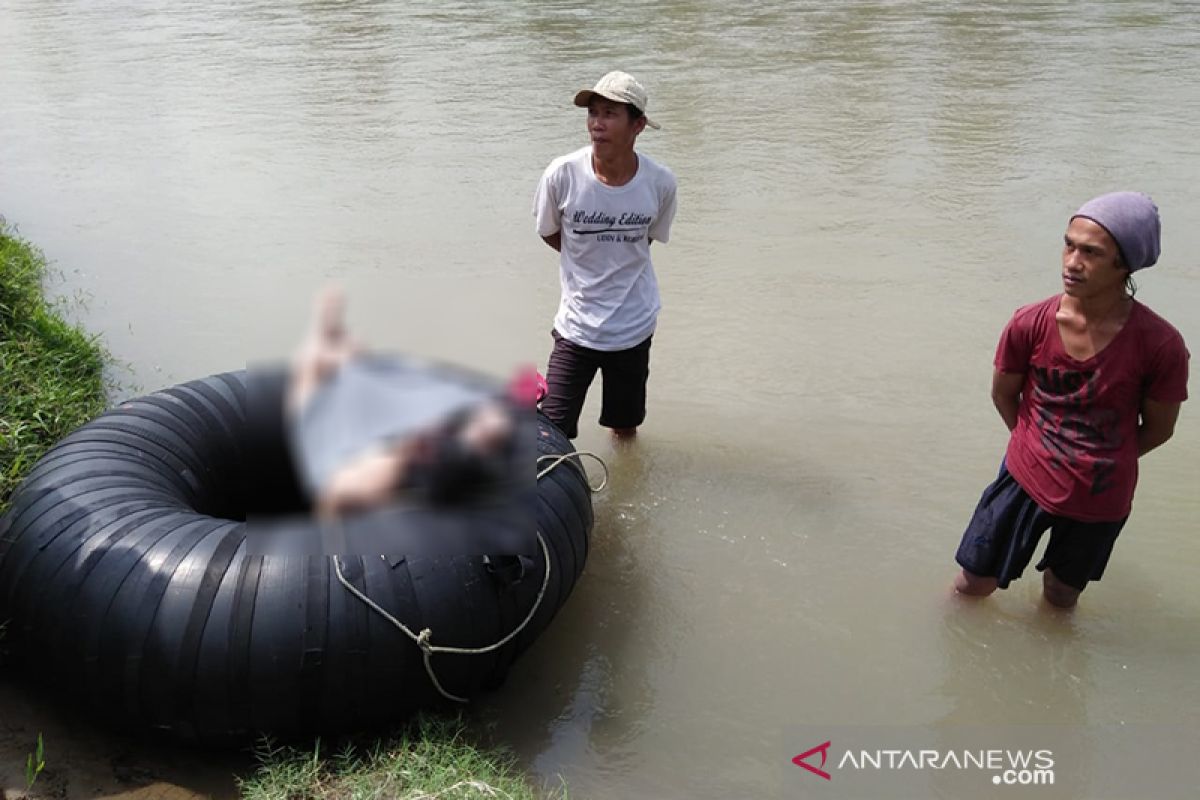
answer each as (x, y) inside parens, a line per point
(600, 207)
(1087, 381)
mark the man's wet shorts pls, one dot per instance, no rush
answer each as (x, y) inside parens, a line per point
(1004, 532)
(571, 371)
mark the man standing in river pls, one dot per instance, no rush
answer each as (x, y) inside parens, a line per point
(600, 207)
(1088, 382)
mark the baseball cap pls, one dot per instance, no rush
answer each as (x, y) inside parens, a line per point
(620, 87)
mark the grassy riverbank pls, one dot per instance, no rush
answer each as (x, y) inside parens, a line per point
(437, 759)
(52, 381)
(51, 373)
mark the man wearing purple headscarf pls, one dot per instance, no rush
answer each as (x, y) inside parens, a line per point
(1088, 381)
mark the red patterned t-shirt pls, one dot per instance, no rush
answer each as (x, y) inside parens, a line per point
(1074, 449)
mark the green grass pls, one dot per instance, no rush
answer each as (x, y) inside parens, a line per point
(436, 758)
(51, 373)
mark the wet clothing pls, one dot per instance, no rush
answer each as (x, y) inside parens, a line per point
(1074, 449)
(572, 369)
(1005, 530)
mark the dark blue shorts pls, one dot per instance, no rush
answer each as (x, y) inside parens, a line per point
(1007, 525)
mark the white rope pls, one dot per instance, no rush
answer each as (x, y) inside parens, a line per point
(575, 463)
(424, 639)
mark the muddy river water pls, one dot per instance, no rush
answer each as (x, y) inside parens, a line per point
(867, 190)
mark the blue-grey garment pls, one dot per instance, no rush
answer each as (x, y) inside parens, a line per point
(369, 403)
(1131, 218)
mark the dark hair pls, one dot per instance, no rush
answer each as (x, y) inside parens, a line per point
(635, 113)
(457, 473)
(1130, 286)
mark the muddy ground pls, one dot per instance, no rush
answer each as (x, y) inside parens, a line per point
(85, 761)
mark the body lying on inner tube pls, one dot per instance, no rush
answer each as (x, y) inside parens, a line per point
(362, 433)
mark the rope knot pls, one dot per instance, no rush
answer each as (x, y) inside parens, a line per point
(423, 640)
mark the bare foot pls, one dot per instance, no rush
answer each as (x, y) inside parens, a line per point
(329, 345)
(329, 312)
(326, 347)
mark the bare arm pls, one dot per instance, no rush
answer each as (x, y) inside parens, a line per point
(366, 482)
(554, 240)
(1006, 395)
(1157, 425)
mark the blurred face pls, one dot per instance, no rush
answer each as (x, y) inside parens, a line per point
(611, 131)
(1091, 261)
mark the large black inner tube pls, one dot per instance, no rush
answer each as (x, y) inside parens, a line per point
(129, 583)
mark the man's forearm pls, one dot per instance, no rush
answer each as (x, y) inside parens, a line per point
(1148, 439)
(1008, 407)
(554, 240)
(1156, 424)
(1007, 388)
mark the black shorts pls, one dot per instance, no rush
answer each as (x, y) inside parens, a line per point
(1004, 532)
(571, 371)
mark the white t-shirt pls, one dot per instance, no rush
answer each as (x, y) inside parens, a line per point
(609, 291)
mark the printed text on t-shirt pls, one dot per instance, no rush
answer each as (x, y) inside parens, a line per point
(1071, 425)
(609, 227)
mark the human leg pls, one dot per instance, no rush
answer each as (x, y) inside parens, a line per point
(325, 348)
(1077, 554)
(969, 583)
(624, 374)
(570, 372)
(1000, 539)
(369, 479)
(1058, 593)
